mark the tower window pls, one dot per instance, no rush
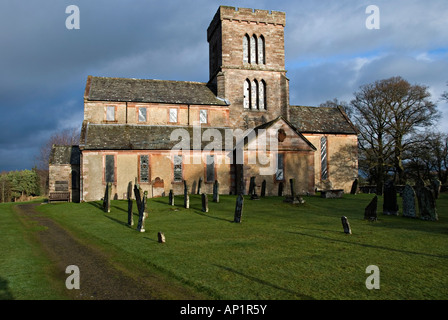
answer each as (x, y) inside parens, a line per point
(246, 102)
(254, 95)
(261, 50)
(262, 95)
(246, 52)
(253, 49)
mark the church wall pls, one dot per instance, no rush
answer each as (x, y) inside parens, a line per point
(342, 160)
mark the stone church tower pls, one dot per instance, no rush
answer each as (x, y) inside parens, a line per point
(247, 64)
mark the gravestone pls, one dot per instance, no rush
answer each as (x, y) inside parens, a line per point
(280, 189)
(138, 196)
(238, 208)
(346, 225)
(129, 195)
(427, 204)
(107, 195)
(409, 207)
(436, 185)
(390, 206)
(171, 197)
(252, 185)
(354, 189)
(370, 211)
(204, 202)
(200, 186)
(161, 237)
(216, 191)
(186, 196)
(254, 195)
(158, 188)
(263, 189)
(142, 215)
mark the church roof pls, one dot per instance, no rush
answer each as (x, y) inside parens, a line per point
(64, 155)
(144, 90)
(321, 120)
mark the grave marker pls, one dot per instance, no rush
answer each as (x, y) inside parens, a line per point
(346, 225)
(204, 202)
(409, 207)
(238, 208)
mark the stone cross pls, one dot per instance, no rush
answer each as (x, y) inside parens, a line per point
(238, 208)
(129, 195)
(204, 202)
(390, 206)
(263, 189)
(171, 197)
(216, 191)
(370, 211)
(346, 225)
(409, 207)
(186, 196)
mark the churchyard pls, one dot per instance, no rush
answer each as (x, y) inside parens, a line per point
(270, 248)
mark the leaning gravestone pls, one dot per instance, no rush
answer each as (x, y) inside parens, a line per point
(370, 211)
(129, 195)
(204, 202)
(238, 208)
(216, 191)
(390, 206)
(427, 204)
(409, 207)
(346, 225)
(171, 197)
(263, 189)
(161, 237)
(354, 189)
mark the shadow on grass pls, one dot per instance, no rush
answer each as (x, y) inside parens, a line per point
(266, 283)
(369, 245)
(5, 293)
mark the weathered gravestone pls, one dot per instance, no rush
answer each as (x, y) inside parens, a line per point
(370, 211)
(238, 208)
(204, 202)
(408, 197)
(171, 197)
(280, 189)
(346, 225)
(252, 185)
(436, 185)
(390, 206)
(129, 196)
(107, 195)
(161, 237)
(354, 189)
(186, 196)
(293, 197)
(142, 215)
(216, 191)
(427, 204)
(263, 189)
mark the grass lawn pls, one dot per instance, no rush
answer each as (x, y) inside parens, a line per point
(279, 251)
(23, 266)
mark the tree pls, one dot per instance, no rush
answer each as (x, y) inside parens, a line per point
(389, 113)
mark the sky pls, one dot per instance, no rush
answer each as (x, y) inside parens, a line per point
(329, 53)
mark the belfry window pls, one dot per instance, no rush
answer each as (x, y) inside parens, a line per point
(261, 48)
(246, 51)
(253, 49)
(254, 95)
(246, 101)
(262, 95)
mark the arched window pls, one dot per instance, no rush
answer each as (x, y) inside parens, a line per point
(262, 95)
(254, 95)
(246, 49)
(261, 50)
(323, 158)
(253, 49)
(246, 101)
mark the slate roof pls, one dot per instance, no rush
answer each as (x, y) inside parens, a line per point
(321, 120)
(65, 155)
(156, 91)
(139, 137)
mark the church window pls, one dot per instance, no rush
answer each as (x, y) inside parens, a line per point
(262, 95)
(177, 168)
(173, 115)
(210, 168)
(254, 95)
(246, 49)
(142, 114)
(261, 50)
(144, 169)
(253, 49)
(280, 174)
(109, 168)
(323, 158)
(246, 102)
(203, 116)
(110, 113)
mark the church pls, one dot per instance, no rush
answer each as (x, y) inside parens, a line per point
(237, 126)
